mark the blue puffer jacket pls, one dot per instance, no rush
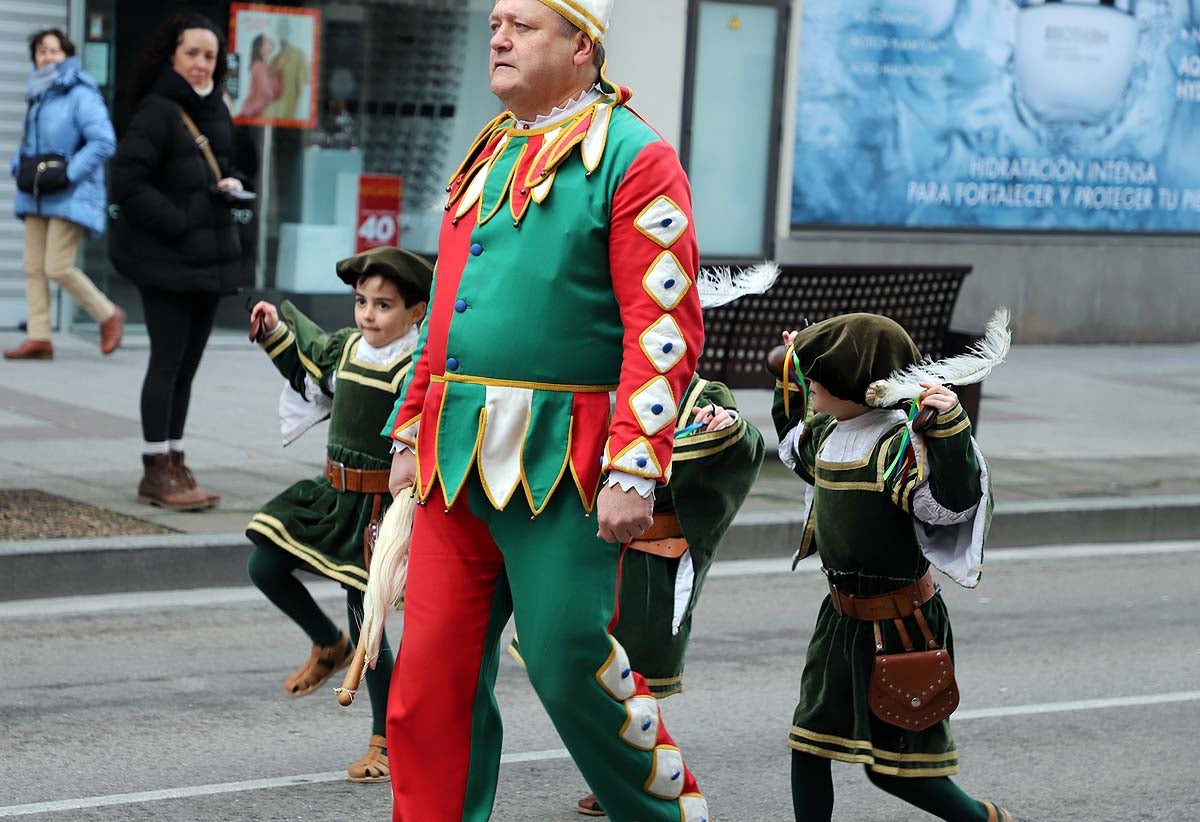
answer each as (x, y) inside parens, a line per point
(69, 118)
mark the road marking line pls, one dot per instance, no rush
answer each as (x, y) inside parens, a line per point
(229, 787)
(545, 756)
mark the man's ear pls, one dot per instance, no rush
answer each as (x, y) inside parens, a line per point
(584, 49)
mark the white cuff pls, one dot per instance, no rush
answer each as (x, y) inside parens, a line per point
(402, 447)
(643, 485)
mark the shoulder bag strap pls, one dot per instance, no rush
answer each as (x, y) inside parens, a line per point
(201, 141)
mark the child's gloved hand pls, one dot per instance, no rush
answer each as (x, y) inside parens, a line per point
(714, 417)
(938, 397)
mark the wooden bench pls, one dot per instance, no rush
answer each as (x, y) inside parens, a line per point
(919, 297)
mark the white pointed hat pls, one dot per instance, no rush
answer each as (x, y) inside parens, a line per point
(591, 16)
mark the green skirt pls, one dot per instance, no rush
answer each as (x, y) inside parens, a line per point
(322, 526)
(833, 718)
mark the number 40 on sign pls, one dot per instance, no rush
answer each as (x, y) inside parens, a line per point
(379, 199)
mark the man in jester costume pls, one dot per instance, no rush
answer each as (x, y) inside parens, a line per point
(566, 271)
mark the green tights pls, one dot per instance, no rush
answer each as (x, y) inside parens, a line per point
(812, 792)
(272, 570)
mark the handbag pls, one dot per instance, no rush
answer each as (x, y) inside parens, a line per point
(913, 690)
(42, 174)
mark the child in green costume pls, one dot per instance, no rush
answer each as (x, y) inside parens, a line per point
(353, 377)
(883, 502)
(716, 460)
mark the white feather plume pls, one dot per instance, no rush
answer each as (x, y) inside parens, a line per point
(971, 367)
(388, 573)
(721, 285)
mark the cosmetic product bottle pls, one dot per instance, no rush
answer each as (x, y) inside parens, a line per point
(1074, 58)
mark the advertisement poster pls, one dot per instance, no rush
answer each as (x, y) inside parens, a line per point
(1063, 115)
(275, 53)
(379, 206)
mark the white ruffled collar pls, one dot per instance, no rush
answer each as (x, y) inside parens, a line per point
(559, 114)
(389, 353)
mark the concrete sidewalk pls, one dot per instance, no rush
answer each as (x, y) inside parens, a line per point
(1086, 444)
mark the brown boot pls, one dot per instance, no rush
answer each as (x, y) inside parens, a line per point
(111, 332)
(31, 350)
(188, 480)
(160, 486)
(373, 767)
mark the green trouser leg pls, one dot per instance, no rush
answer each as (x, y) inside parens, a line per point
(936, 795)
(563, 583)
(379, 681)
(812, 788)
(272, 570)
(487, 733)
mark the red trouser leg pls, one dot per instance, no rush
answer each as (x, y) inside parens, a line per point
(444, 730)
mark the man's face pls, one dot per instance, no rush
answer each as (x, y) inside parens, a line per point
(533, 60)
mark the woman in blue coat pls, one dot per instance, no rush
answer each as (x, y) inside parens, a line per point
(59, 169)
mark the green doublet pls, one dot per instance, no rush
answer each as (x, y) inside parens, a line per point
(323, 526)
(868, 531)
(711, 476)
(712, 473)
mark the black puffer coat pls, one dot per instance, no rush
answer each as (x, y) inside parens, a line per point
(171, 231)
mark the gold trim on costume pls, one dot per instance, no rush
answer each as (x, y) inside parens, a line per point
(686, 455)
(940, 433)
(536, 386)
(277, 532)
(472, 460)
(504, 189)
(287, 342)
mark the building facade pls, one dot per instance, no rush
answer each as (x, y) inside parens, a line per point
(795, 124)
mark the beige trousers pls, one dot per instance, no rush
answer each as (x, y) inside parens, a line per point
(50, 246)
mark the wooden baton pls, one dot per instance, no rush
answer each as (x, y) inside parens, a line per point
(354, 675)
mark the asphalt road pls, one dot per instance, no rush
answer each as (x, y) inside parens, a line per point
(1079, 669)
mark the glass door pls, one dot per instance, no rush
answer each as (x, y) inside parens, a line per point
(732, 114)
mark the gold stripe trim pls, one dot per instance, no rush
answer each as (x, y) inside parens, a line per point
(288, 339)
(841, 741)
(685, 456)
(504, 189)
(536, 386)
(274, 336)
(940, 433)
(582, 12)
(274, 530)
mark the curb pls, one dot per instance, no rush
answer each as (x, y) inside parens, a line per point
(38, 569)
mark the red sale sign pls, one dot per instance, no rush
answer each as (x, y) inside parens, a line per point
(379, 197)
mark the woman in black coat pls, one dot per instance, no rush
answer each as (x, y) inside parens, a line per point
(174, 236)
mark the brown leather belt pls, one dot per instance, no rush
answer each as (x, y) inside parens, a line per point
(354, 480)
(664, 526)
(663, 538)
(892, 605)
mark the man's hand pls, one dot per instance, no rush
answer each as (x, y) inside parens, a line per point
(623, 515)
(404, 472)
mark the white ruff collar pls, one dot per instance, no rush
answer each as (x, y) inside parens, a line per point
(559, 114)
(389, 353)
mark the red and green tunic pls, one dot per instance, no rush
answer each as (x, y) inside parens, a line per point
(525, 342)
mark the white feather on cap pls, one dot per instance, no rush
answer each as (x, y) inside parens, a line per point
(964, 369)
(721, 285)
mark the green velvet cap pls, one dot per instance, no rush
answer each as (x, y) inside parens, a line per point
(846, 354)
(402, 267)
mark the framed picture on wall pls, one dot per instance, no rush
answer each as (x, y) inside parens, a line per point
(275, 59)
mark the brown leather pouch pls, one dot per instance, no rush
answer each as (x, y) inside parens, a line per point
(913, 690)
